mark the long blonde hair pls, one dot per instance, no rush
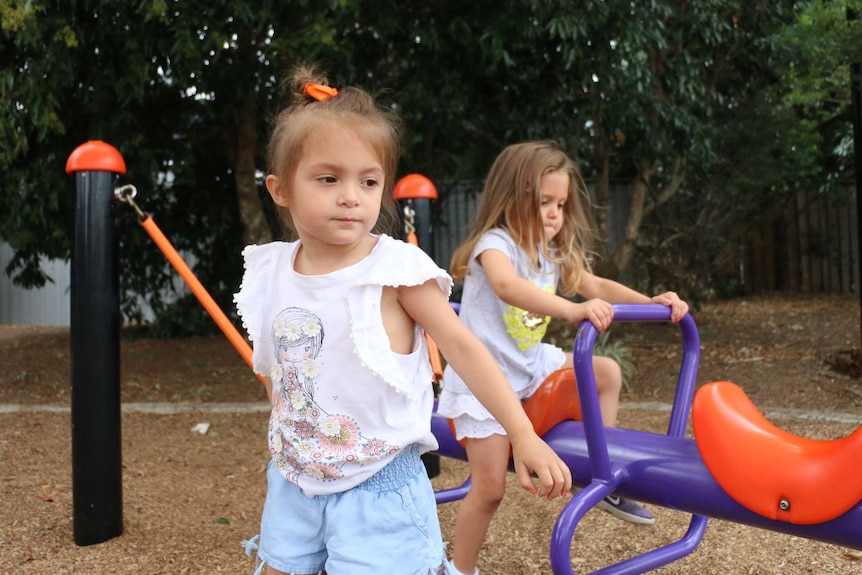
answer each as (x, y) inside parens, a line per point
(511, 200)
(351, 108)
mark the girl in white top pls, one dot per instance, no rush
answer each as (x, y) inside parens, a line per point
(531, 236)
(337, 319)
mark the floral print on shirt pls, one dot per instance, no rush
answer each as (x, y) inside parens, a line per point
(304, 439)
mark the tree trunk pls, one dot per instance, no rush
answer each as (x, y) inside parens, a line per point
(640, 208)
(633, 223)
(255, 227)
(601, 191)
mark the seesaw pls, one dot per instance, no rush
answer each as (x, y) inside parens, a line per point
(739, 467)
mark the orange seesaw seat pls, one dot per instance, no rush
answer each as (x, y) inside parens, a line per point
(555, 401)
(769, 471)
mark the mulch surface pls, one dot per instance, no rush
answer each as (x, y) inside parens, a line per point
(190, 498)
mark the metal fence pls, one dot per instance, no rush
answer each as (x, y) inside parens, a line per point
(811, 247)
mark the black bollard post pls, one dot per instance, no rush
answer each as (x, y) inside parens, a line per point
(416, 192)
(97, 498)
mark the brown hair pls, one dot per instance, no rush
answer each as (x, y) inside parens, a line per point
(353, 109)
(511, 200)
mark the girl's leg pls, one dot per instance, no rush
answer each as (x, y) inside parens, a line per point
(609, 383)
(489, 462)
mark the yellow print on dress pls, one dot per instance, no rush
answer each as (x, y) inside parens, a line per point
(526, 328)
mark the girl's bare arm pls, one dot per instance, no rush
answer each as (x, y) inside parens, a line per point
(522, 293)
(599, 293)
(594, 286)
(518, 291)
(469, 357)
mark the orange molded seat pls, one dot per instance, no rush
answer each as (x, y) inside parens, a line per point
(769, 471)
(555, 401)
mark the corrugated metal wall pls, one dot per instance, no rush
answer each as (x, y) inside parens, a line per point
(51, 304)
(48, 305)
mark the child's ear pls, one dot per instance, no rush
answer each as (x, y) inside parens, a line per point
(277, 191)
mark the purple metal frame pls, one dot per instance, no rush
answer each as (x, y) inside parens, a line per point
(665, 470)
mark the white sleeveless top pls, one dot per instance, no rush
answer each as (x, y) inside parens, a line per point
(344, 404)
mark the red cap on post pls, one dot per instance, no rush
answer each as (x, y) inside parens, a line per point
(95, 156)
(415, 186)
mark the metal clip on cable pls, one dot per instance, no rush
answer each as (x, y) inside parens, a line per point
(409, 220)
(126, 194)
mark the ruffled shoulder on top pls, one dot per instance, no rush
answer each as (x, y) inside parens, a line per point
(258, 264)
(403, 264)
(397, 264)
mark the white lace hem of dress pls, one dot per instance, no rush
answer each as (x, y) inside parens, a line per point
(470, 417)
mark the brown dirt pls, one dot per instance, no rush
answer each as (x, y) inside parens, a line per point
(190, 498)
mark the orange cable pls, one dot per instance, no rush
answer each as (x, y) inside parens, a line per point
(238, 341)
(433, 351)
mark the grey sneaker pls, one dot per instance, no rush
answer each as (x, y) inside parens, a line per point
(626, 509)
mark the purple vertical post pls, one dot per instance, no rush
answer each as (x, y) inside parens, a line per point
(97, 498)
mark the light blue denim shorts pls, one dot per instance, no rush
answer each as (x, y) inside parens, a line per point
(386, 524)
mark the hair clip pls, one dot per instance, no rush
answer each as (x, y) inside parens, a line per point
(528, 189)
(319, 92)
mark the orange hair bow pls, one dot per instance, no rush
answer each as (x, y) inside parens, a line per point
(320, 92)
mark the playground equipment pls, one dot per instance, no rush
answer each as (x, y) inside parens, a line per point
(416, 192)
(806, 488)
(97, 482)
(97, 502)
(669, 470)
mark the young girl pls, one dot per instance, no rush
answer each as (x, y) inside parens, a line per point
(337, 318)
(531, 235)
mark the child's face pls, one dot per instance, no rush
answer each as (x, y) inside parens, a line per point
(296, 353)
(554, 187)
(334, 198)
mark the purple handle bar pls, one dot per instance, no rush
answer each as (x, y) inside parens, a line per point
(665, 470)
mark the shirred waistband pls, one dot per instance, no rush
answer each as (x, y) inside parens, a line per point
(397, 472)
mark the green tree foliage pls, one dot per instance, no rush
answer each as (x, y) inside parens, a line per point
(786, 128)
(816, 55)
(694, 101)
(182, 90)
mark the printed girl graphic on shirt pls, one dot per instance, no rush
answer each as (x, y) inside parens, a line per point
(305, 439)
